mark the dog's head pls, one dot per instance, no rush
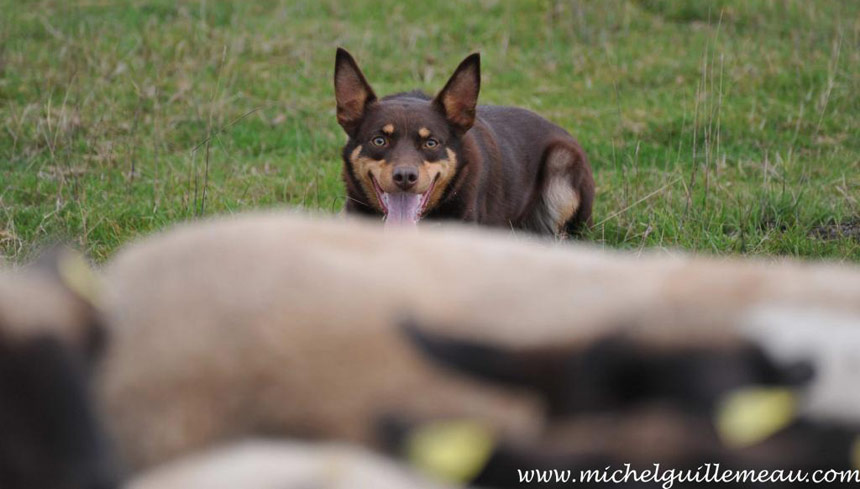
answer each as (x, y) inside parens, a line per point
(403, 150)
(50, 335)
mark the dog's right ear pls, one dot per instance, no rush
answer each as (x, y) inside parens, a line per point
(352, 92)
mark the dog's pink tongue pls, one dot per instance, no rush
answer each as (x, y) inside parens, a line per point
(403, 209)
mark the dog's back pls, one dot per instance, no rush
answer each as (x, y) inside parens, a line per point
(541, 173)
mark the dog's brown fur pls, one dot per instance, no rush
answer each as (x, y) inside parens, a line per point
(499, 166)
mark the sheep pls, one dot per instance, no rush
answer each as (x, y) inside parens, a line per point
(270, 464)
(50, 335)
(617, 401)
(269, 325)
(280, 323)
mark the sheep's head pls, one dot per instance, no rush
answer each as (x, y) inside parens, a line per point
(50, 335)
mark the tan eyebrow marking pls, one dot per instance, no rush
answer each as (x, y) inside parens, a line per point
(424, 132)
(388, 129)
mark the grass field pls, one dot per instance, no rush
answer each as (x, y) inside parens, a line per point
(728, 127)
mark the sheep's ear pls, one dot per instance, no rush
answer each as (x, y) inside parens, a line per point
(73, 272)
(796, 373)
(543, 369)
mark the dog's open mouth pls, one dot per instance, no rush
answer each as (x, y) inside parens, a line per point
(402, 208)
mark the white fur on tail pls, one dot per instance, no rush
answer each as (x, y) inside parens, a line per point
(559, 200)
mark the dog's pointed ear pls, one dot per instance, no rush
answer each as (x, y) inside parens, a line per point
(352, 92)
(459, 98)
(541, 369)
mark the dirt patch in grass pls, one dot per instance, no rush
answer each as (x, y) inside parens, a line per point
(850, 228)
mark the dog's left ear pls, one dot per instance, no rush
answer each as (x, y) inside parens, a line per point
(460, 96)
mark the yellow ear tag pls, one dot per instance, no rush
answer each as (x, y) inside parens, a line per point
(451, 451)
(77, 276)
(751, 415)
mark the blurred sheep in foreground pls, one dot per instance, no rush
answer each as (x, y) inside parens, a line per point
(50, 337)
(282, 465)
(285, 325)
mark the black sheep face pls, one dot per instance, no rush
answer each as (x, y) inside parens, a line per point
(50, 436)
(615, 372)
(50, 337)
(617, 400)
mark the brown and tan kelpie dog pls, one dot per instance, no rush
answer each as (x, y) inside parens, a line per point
(410, 156)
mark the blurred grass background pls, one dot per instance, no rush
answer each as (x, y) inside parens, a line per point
(725, 126)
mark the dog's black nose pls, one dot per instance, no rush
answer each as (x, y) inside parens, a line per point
(405, 176)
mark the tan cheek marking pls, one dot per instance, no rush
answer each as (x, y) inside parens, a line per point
(424, 177)
(388, 129)
(424, 132)
(363, 168)
(445, 170)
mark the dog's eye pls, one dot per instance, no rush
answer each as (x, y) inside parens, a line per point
(431, 143)
(379, 141)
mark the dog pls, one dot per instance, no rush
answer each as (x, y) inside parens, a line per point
(410, 157)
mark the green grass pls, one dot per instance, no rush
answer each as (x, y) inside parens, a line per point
(727, 127)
